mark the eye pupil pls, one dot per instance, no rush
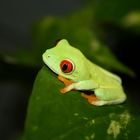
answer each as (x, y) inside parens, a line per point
(66, 66)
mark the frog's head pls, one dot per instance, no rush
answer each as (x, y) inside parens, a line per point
(67, 61)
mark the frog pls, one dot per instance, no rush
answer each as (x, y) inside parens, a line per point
(77, 72)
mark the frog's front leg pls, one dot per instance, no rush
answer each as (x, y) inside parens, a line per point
(64, 80)
(82, 85)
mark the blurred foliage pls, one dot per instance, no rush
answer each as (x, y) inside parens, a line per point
(115, 11)
(121, 12)
(82, 29)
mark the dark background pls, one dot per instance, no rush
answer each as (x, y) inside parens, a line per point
(16, 18)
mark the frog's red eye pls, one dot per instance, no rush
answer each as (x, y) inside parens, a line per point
(66, 66)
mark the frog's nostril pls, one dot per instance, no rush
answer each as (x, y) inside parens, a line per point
(49, 56)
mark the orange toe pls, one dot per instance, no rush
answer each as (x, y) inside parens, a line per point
(62, 91)
(90, 98)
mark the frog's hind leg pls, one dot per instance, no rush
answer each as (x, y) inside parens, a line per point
(98, 99)
(102, 102)
(111, 96)
(90, 98)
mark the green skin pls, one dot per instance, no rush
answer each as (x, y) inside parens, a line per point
(85, 75)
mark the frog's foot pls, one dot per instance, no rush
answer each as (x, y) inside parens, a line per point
(68, 84)
(99, 103)
(67, 88)
(92, 99)
(64, 80)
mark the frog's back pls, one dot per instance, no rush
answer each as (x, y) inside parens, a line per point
(109, 74)
(103, 76)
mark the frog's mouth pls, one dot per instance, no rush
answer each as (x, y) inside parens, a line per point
(51, 69)
(48, 63)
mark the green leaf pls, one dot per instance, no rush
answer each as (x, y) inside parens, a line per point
(132, 21)
(119, 12)
(55, 116)
(115, 11)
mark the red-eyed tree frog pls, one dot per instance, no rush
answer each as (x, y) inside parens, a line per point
(79, 73)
